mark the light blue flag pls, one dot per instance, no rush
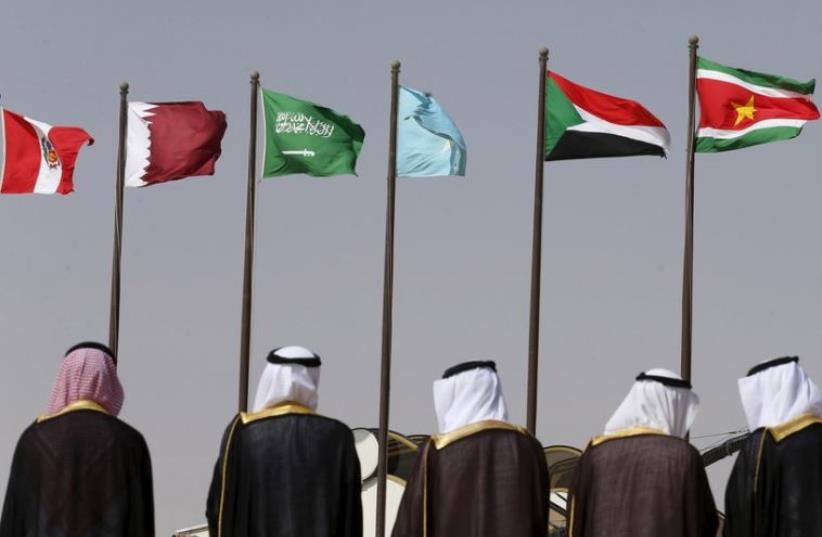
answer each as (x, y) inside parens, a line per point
(428, 141)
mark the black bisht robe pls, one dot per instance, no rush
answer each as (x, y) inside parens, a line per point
(81, 473)
(487, 479)
(640, 484)
(775, 488)
(285, 471)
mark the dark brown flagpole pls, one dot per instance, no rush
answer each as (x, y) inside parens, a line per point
(114, 306)
(248, 263)
(688, 257)
(536, 251)
(387, 303)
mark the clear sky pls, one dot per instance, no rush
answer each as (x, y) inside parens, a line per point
(613, 228)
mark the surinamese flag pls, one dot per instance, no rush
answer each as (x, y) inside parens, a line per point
(741, 108)
(302, 137)
(428, 142)
(584, 123)
(37, 157)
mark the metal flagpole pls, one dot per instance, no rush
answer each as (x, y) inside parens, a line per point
(536, 250)
(114, 307)
(250, 204)
(688, 257)
(387, 303)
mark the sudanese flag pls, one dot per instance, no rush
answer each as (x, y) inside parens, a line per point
(584, 123)
(170, 141)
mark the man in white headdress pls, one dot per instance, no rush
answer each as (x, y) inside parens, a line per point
(775, 488)
(284, 470)
(480, 475)
(642, 478)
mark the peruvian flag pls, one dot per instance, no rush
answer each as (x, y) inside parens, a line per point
(38, 158)
(585, 123)
(169, 141)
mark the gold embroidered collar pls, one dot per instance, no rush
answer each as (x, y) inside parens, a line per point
(625, 433)
(280, 409)
(442, 440)
(784, 430)
(82, 404)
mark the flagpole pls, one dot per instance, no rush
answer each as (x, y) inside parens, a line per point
(114, 306)
(387, 304)
(688, 257)
(248, 263)
(536, 251)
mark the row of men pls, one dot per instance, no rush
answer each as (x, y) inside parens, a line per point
(284, 470)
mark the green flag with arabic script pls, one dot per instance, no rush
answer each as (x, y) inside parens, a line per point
(302, 137)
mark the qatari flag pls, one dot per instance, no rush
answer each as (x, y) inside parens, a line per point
(169, 141)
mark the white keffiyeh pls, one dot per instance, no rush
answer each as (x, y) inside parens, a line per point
(654, 405)
(779, 394)
(281, 382)
(468, 397)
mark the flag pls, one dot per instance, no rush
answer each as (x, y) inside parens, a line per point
(742, 108)
(169, 141)
(584, 123)
(38, 158)
(428, 141)
(302, 137)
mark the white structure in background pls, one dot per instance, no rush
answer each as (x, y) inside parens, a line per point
(197, 531)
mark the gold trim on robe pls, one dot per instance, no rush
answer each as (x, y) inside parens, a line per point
(280, 409)
(784, 430)
(570, 519)
(425, 489)
(223, 473)
(626, 433)
(82, 404)
(758, 461)
(442, 440)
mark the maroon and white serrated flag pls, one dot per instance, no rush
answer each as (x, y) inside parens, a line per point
(37, 157)
(170, 141)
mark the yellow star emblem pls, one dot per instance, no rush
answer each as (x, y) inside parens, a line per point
(744, 111)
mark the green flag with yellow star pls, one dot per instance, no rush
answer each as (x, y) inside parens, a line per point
(741, 108)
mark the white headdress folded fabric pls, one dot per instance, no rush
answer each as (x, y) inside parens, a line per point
(468, 393)
(659, 399)
(292, 374)
(778, 391)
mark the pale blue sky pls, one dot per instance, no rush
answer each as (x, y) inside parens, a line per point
(613, 228)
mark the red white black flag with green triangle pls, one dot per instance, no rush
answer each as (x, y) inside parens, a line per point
(584, 123)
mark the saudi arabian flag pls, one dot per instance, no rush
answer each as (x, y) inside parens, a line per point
(742, 108)
(302, 137)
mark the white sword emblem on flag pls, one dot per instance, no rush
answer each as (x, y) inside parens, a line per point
(300, 152)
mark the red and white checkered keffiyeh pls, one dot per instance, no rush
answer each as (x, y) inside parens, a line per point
(87, 374)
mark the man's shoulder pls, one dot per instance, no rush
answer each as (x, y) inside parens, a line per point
(483, 432)
(126, 430)
(807, 426)
(323, 425)
(102, 426)
(645, 444)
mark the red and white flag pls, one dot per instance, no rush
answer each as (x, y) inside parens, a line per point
(169, 141)
(38, 158)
